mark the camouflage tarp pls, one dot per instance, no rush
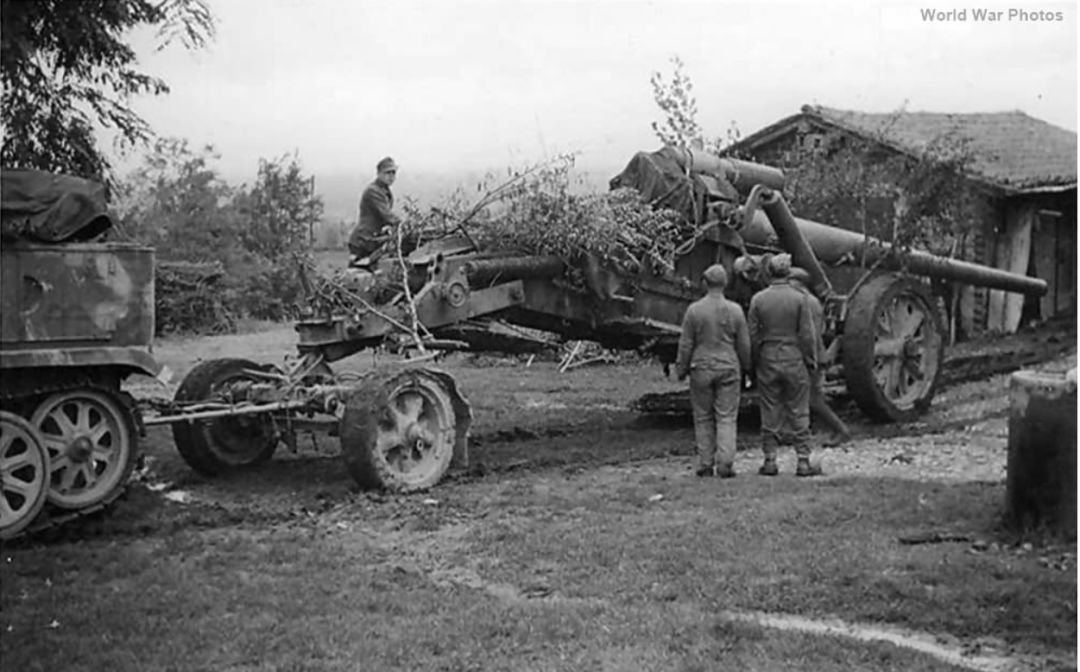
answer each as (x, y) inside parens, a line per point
(50, 208)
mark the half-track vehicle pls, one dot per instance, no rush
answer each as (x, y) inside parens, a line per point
(76, 319)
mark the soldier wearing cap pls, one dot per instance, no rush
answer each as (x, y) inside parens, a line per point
(785, 354)
(376, 221)
(819, 406)
(714, 349)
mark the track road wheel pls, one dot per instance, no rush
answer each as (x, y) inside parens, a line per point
(220, 445)
(24, 474)
(90, 438)
(399, 432)
(893, 348)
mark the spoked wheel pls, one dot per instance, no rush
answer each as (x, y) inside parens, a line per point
(24, 474)
(401, 434)
(893, 348)
(90, 438)
(220, 445)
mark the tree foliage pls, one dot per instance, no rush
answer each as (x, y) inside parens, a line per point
(283, 209)
(909, 197)
(921, 198)
(537, 210)
(67, 70)
(177, 202)
(676, 100)
(255, 237)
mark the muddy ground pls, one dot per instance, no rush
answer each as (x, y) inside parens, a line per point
(537, 419)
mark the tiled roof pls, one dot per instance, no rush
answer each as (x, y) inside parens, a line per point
(1010, 150)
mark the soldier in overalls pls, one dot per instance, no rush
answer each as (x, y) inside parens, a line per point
(784, 350)
(714, 349)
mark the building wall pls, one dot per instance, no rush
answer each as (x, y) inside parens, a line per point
(1053, 246)
(1052, 243)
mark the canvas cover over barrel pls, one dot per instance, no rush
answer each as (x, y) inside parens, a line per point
(702, 198)
(663, 183)
(51, 208)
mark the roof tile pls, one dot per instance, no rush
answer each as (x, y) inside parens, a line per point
(1010, 149)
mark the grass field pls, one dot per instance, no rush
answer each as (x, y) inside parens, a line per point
(543, 571)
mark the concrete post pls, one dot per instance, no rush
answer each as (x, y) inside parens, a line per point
(1041, 480)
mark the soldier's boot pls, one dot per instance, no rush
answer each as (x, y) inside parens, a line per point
(769, 467)
(725, 471)
(804, 468)
(705, 471)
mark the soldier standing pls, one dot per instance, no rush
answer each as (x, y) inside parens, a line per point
(376, 220)
(784, 348)
(819, 406)
(714, 348)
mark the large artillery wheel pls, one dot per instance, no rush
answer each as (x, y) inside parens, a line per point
(220, 445)
(90, 438)
(893, 348)
(24, 474)
(400, 433)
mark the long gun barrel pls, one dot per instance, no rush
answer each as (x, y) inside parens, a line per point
(503, 269)
(812, 244)
(833, 246)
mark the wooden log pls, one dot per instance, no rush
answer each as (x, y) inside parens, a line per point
(1041, 477)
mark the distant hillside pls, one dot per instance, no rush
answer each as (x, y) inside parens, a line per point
(341, 191)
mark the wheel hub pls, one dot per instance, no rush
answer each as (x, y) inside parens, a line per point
(414, 435)
(89, 437)
(80, 450)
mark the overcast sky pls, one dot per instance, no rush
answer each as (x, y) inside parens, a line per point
(448, 84)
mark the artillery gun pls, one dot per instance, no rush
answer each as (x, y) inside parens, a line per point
(77, 319)
(403, 429)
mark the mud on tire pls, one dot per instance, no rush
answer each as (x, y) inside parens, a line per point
(221, 445)
(399, 432)
(893, 348)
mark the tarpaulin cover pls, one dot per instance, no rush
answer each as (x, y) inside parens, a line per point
(662, 183)
(51, 208)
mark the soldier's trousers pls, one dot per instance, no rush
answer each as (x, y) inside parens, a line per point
(784, 398)
(714, 399)
(364, 246)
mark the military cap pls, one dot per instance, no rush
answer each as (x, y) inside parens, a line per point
(780, 265)
(386, 164)
(715, 276)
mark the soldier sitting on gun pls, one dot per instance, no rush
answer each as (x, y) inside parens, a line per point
(376, 223)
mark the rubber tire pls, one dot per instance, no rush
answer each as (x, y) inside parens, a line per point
(190, 437)
(38, 501)
(858, 347)
(359, 429)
